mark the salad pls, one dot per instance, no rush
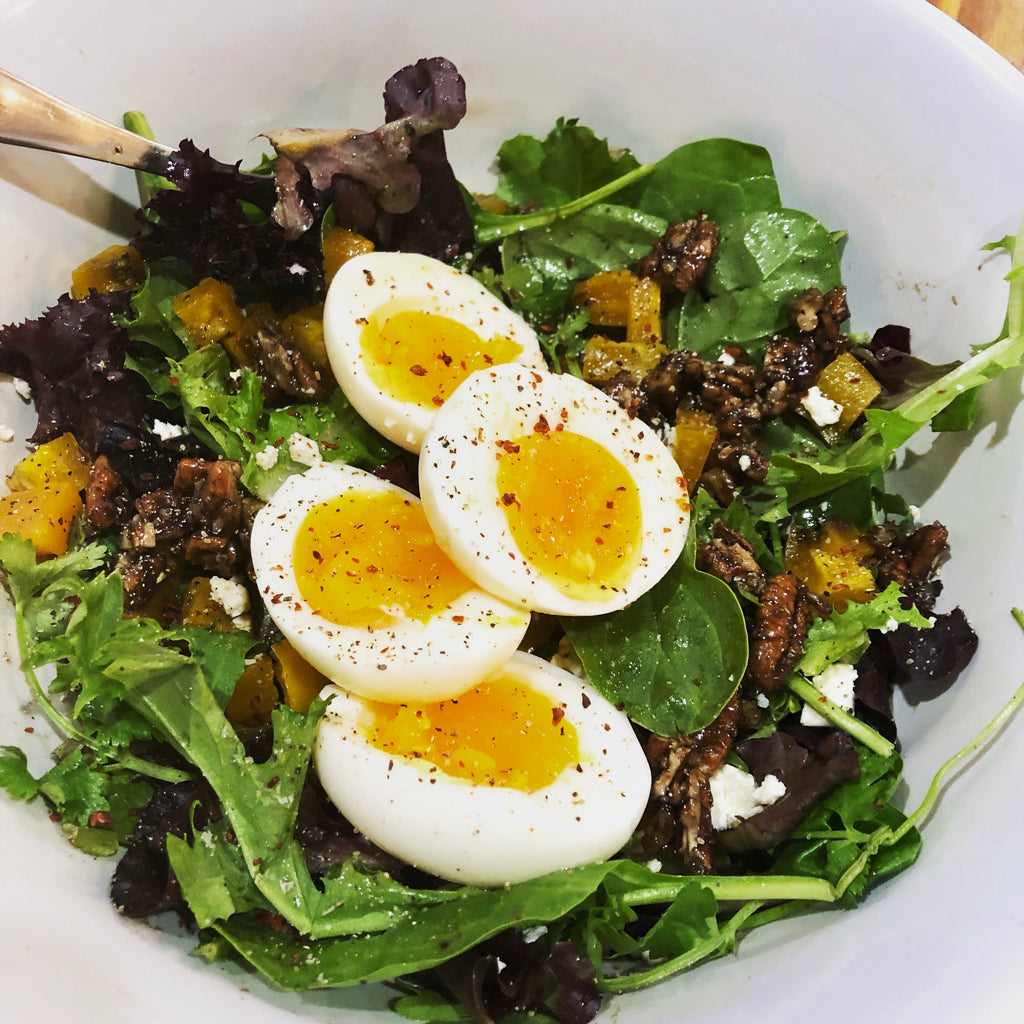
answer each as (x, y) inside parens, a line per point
(189, 383)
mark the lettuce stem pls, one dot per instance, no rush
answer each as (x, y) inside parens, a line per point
(859, 730)
(502, 225)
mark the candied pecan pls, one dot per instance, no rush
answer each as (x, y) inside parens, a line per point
(780, 631)
(743, 461)
(680, 258)
(730, 557)
(215, 500)
(679, 821)
(281, 363)
(820, 315)
(911, 560)
(106, 497)
(141, 572)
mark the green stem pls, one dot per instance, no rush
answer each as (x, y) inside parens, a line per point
(837, 716)
(723, 940)
(740, 889)
(501, 226)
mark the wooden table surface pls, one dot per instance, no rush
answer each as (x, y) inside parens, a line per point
(999, 22)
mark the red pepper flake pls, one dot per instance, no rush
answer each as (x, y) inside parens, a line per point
(542, 426)
(557, 714)
(101, 819)
(509, 498)
(418, 370)
(271, 783)
(509, 446)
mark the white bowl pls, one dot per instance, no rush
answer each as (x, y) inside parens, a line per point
(885, 118)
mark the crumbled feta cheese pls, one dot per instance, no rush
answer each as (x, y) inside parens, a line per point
(821, 409)
(726, 359)
(267, 459)
(736, 796)
(23, 389)
(231, 595)
(836, 683)
(762, 700)
(6, 433)
(744, 462)
(891, 626)
(915, 513)
(298, 270)
(538, 931)
(303, 450)
(167, 431)
(654, 865)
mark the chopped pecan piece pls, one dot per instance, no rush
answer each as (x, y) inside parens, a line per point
(911, 560)
(730, 557)
(106, 497)
(680, 258)
(780, 631)
(679, 822)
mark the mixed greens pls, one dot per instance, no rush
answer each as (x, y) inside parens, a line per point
(219, 817)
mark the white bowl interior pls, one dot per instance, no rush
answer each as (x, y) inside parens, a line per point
(883, 117)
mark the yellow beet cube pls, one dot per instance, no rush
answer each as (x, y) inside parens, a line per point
(644, 324)
(200, 608)
(255, 695)
(118, 267)
(300, 683)
(340, 245)
(831, 562)
(605, 297)
(695, 434)
(209, 312)
(306, 329)
(604, 358)
(45, 496)
(847, 382)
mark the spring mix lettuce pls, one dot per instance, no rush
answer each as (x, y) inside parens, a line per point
(219, 816)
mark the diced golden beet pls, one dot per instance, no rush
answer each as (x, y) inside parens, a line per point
(340, 245)
(605, 297)
(306, 329)
(644, 324)
(604, 358)
(209, 312)
(300, 683)
(695, 434)
(847, 382)
(490, 202)
(46, 495)
(830, 561)
(255, 695)
(58, 463)
(118, 267)
(200, 608)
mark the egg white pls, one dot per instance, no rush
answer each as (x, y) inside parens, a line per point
(458, 486)
(408, 660)
(490, 835)
(381, 284)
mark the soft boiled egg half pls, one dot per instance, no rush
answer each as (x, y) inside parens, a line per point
(527, 772)
(349, 571)
(545, 492)
(402, 331)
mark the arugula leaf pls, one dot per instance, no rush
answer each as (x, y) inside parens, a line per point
(674, 657)
(843, 636)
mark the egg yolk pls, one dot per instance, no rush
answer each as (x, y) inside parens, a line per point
(572, 509)
(421, 358)
(366, 557)
(500, 733)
